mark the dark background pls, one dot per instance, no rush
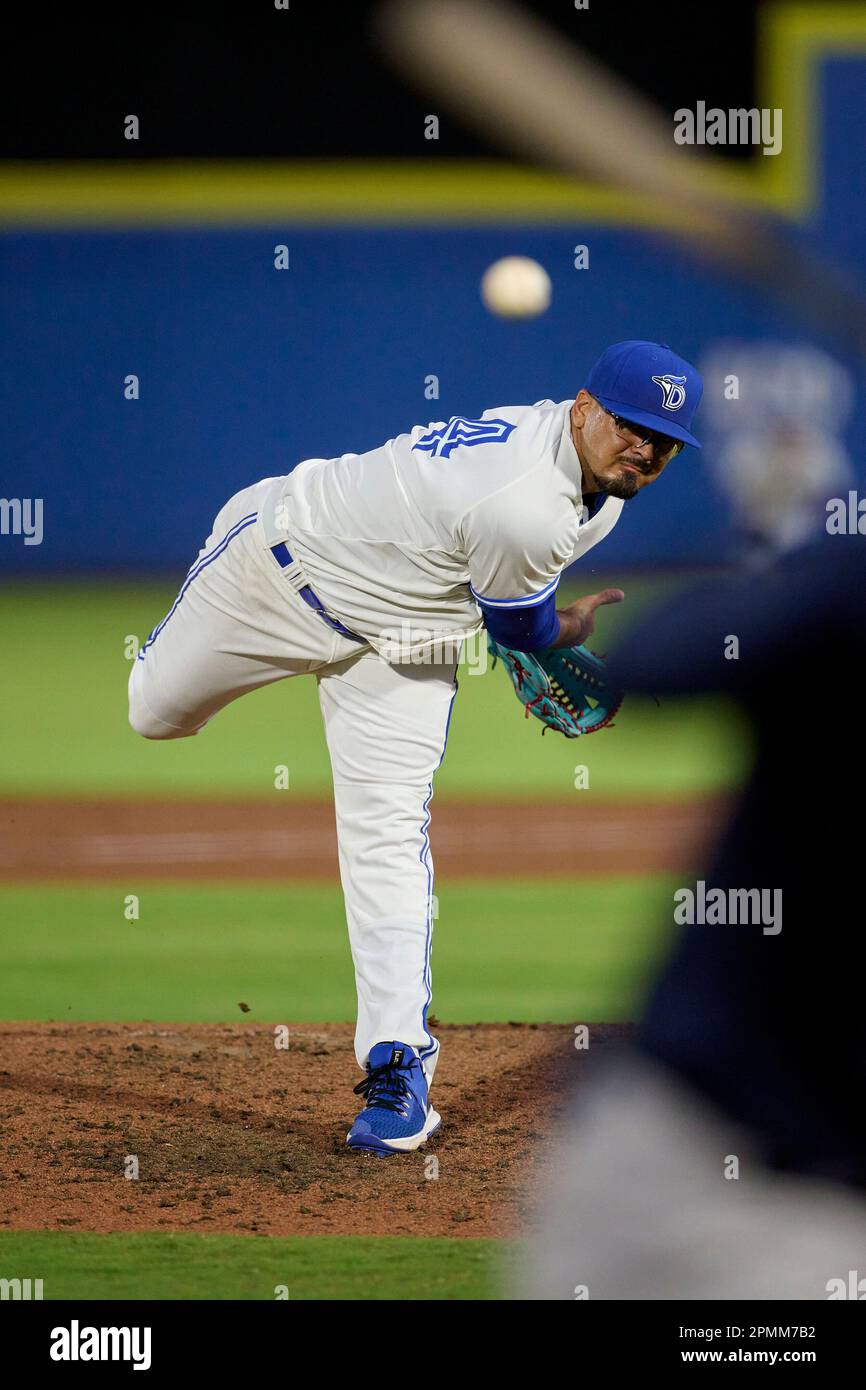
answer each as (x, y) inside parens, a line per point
(241, 80)
(244, 371)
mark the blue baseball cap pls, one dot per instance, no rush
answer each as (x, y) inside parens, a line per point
(649, 384)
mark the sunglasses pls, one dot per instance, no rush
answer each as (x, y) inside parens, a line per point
(664, 445)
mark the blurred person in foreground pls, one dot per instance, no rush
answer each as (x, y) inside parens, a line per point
(751, 1047)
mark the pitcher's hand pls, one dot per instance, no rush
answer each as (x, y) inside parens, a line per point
(577, 621)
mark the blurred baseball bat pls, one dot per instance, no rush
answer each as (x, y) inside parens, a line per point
(514, 77)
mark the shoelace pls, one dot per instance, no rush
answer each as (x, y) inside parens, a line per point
(384, 1089)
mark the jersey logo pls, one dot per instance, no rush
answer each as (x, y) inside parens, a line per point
(673, 389)
(439, 443)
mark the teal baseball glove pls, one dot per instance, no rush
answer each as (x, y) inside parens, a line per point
(565, 687)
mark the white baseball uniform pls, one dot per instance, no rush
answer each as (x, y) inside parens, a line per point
(370, 570)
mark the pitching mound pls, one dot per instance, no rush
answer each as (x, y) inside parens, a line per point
(229, 1133)
(60, 840)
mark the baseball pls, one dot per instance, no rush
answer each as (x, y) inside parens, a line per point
(516, 288)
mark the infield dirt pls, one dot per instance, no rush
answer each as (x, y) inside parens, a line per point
(49, 840)
(232, 1134)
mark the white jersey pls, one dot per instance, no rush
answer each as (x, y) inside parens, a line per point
(401, 542)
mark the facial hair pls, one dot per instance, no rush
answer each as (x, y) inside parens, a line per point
(624, 487)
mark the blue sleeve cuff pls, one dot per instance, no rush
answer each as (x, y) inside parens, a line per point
(527, 628)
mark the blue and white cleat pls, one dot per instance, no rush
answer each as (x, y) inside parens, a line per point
(398, 1116)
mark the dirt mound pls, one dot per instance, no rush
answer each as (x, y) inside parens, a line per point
(97, 840)
(232, 1134)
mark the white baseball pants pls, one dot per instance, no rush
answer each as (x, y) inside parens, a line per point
(237, 625)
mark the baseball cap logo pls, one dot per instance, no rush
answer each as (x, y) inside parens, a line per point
(673, 389)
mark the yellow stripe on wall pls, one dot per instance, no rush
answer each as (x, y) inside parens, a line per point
(792, 40)
(249, 192)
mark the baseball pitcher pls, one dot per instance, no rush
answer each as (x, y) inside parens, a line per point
(370, 571)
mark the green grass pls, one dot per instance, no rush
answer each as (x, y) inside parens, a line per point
(158, 1266)
(552, 950)
(65, 729)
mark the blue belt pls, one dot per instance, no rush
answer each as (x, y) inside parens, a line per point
(283, 557)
